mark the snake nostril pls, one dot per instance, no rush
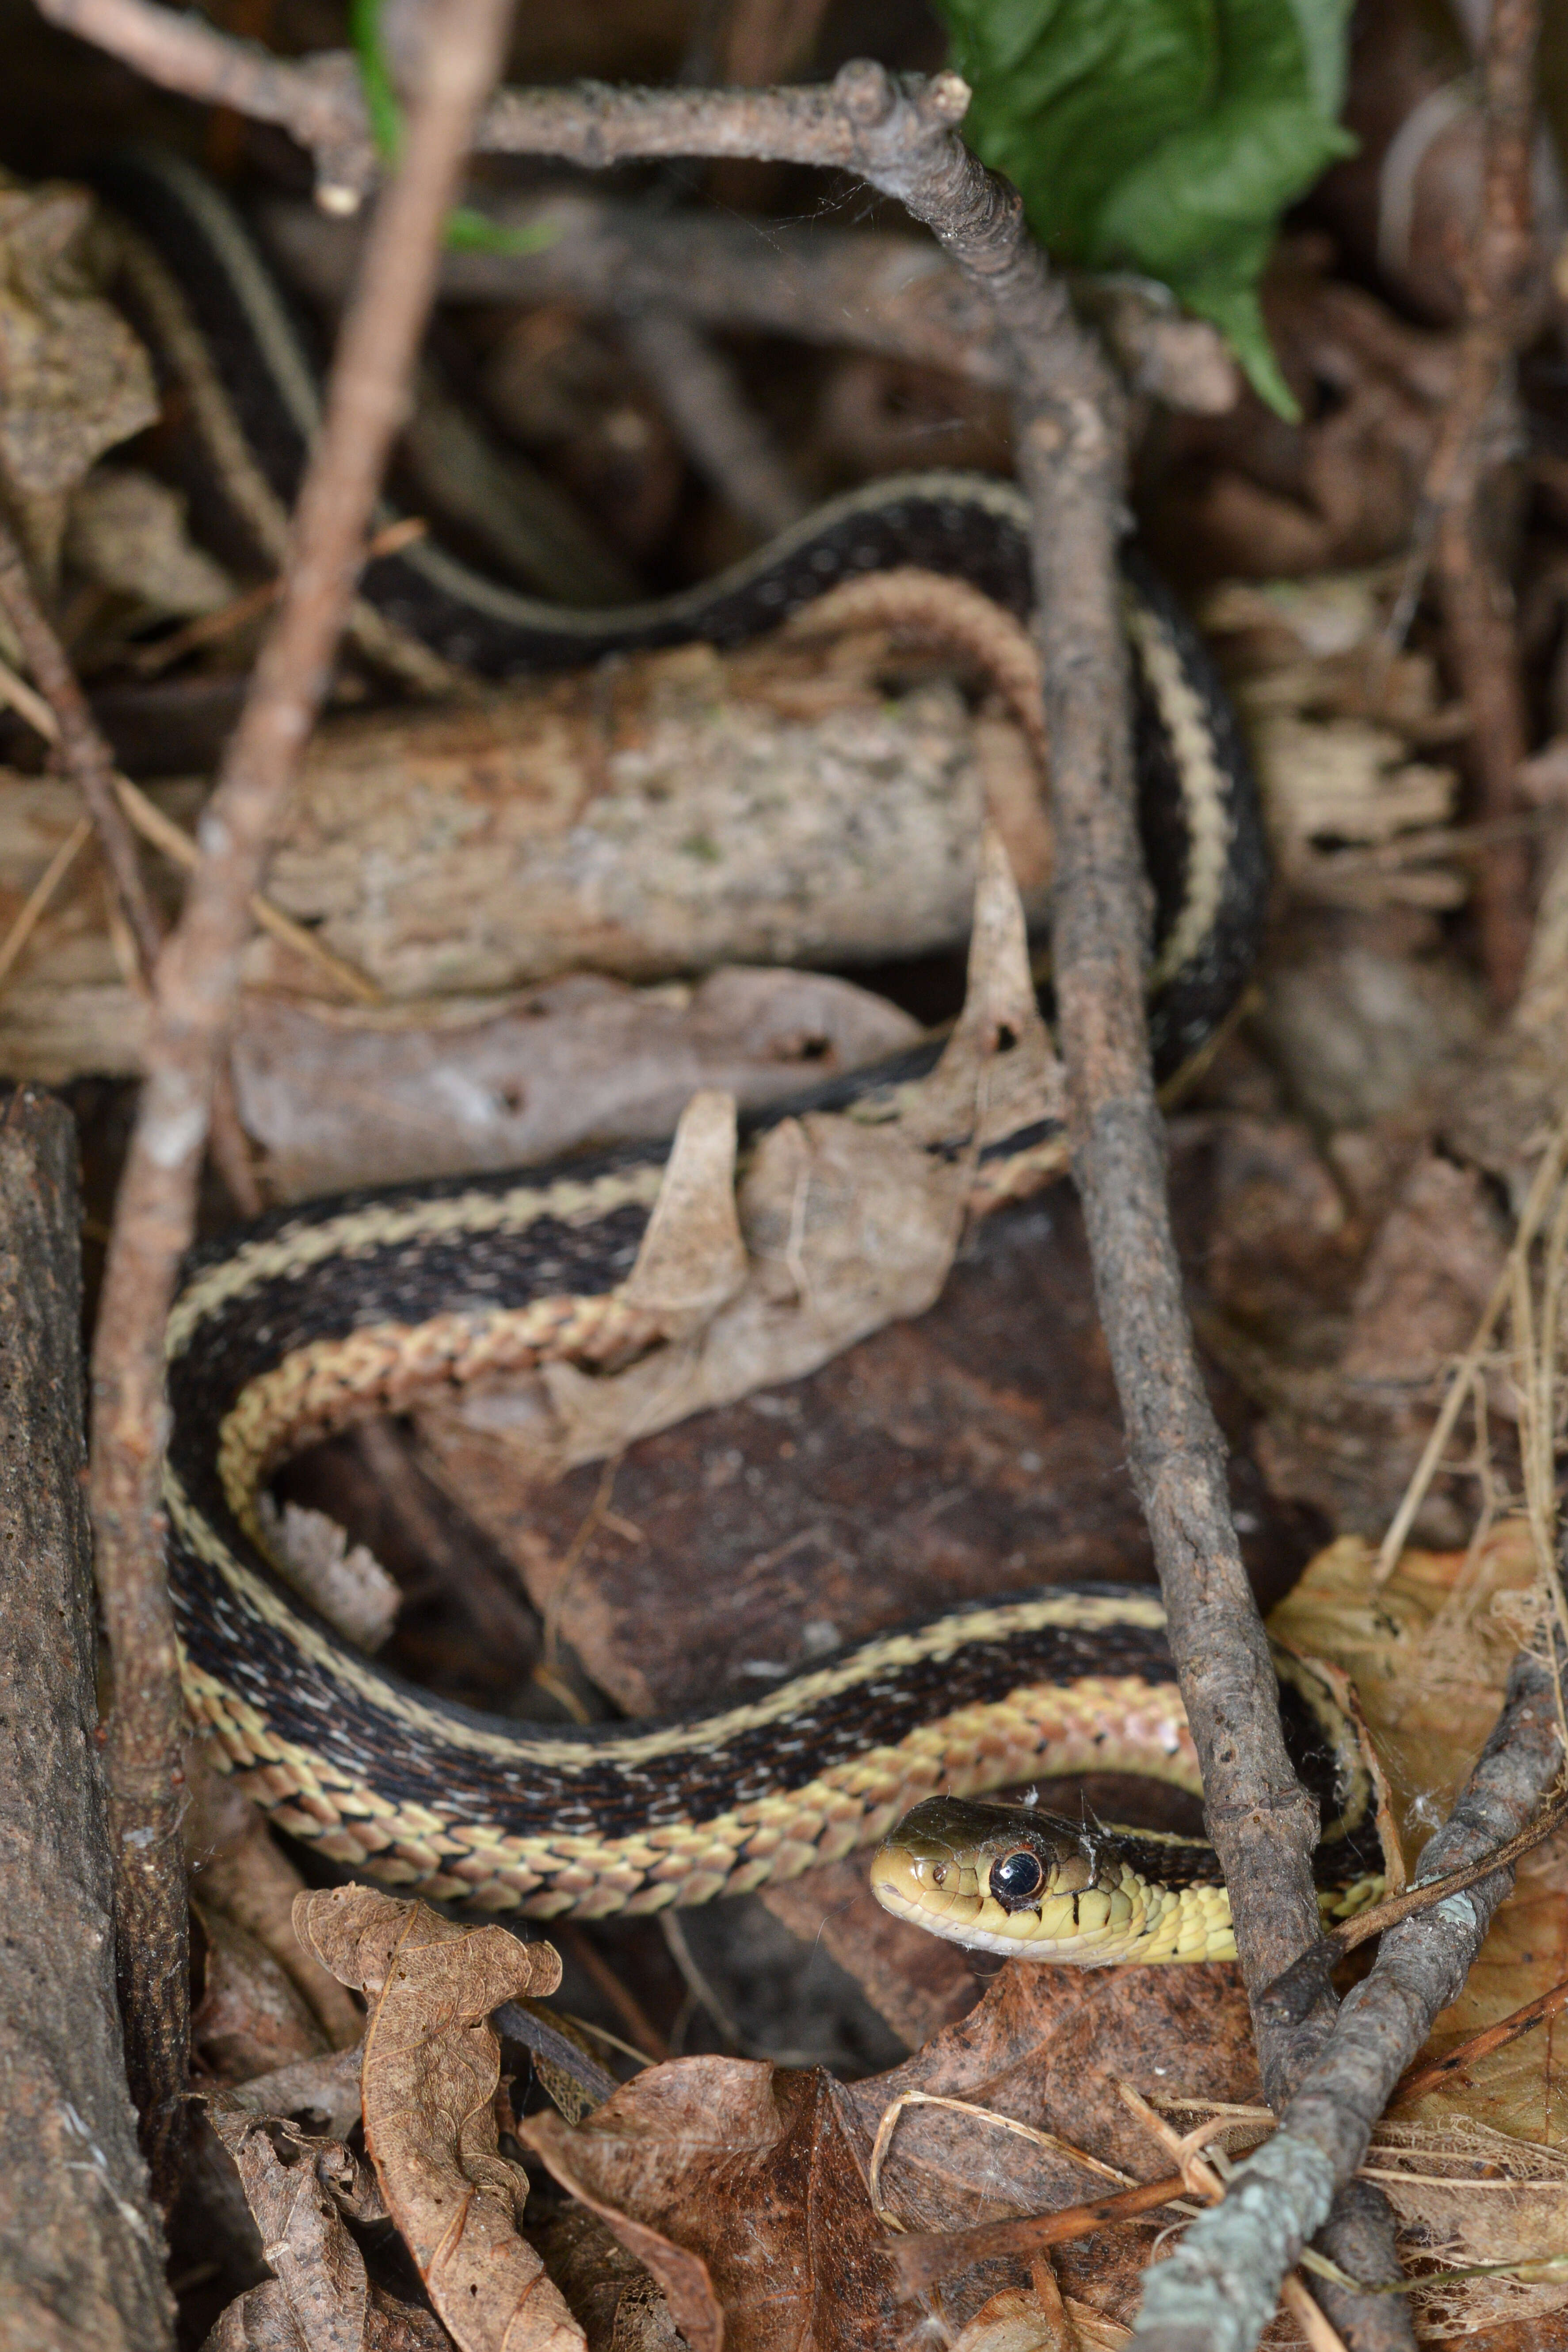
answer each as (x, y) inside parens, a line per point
(939, 1874)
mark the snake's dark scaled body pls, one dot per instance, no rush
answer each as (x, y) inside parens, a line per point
(318, 1316)
(228, 342)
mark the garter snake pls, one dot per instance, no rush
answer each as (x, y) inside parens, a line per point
(318, 1316)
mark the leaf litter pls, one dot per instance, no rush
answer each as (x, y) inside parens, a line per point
(733, 2195)
(430, 2070)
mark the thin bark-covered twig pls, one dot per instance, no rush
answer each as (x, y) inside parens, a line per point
(1293, 1994)
(922, 2258)
(139, 814)
(196, 984)
(1217, 2293)
(858, 289)
(317, 100)
(87, 758)
(66, 720)
(1456, 527)
(1422, 2080)
(725, 439)
(901, 138)
(1477, 603)
(825, 284)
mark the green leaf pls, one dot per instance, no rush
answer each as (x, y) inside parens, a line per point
(375, 78)
(467, 231)
(470, 232)
(1164, 136)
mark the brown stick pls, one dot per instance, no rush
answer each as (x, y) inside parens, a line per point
(80, 2258)
(316, 102)
(859, 289)
(1071, 446)
(901, 138)
(194, 1003)
(1217, 2293)
(926, 2256)
(1293, 1993)
(89, 761)
(1465, 486)
(1437, 2072)
(893, 301)
(88, 758)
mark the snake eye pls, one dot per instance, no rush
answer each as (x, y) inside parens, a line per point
(1017, 1878)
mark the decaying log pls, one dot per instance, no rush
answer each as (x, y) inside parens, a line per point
(666, 815)
(80, 2250)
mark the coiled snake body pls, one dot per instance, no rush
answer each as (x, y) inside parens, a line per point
(318, 1316)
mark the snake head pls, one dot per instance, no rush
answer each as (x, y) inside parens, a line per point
(1011, 1879)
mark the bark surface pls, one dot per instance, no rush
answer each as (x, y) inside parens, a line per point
(80, 2252)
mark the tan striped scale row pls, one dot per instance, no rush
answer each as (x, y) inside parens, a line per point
(386, 1367)
(1113, 1724)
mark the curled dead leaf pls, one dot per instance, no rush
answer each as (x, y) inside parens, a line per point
(839, 1226)
(320, 2298)
(432, 2061)
(1022, 2319)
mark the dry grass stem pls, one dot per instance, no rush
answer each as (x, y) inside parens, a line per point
(83, 751)
(1538, 1202)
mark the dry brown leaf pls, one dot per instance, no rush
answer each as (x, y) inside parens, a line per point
(74, 380)
(837, 1228)
(744, 2189)
(619, 2305)
(1021, 2319)
(1048, 2048)
(323, 2299)
(321, 2094)
(261, 2321)
(1429, 1654)
(1520, 2089)
(739, 2188)
(257, 2321)
(432, 2063)
(1467, 2197)
(250, 2018)
(238, 1869)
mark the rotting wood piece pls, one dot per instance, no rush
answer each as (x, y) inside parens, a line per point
(774, 805)
(80, 2250)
